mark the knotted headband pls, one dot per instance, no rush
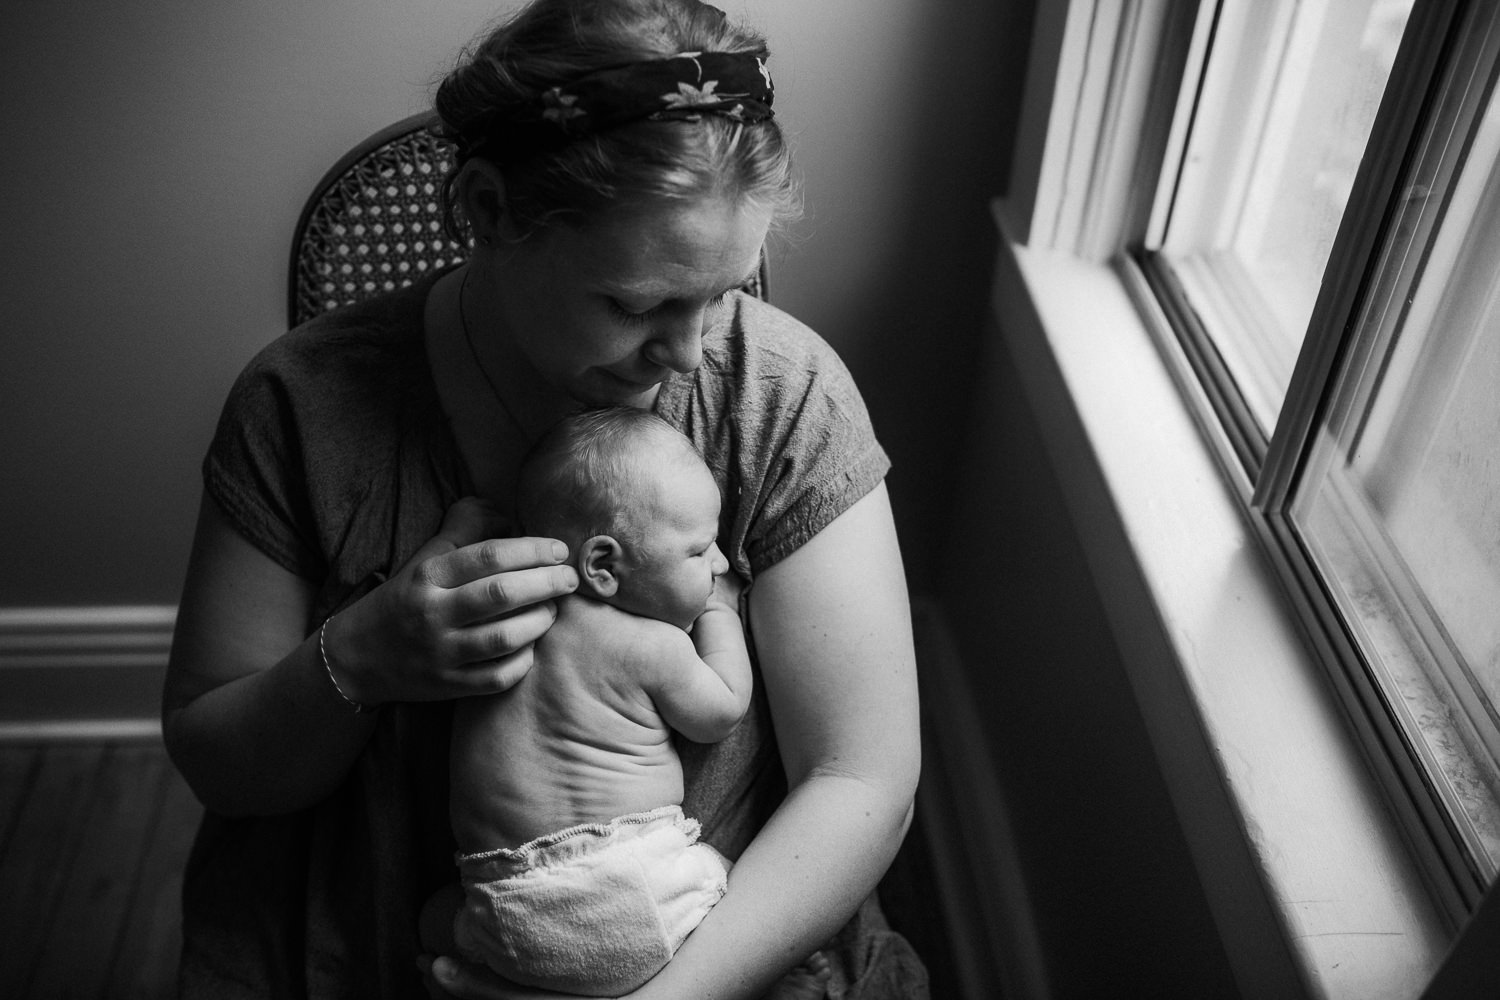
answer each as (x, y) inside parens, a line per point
(736, 85)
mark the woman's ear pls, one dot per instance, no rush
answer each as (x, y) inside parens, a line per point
(599, 566)
(481, 193)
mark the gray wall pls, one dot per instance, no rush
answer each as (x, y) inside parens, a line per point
(1117, 907)
(158, 154)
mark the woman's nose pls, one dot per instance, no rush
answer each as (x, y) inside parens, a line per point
(678, 344)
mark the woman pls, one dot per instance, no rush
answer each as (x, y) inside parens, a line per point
(618, 168)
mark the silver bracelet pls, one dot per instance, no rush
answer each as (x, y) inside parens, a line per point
(328, 668)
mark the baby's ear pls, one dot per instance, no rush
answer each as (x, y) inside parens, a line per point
(598, 566)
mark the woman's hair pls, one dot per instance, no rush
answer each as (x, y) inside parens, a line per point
(597, 472)
(500, 81)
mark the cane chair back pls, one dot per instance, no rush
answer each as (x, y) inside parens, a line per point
(374, 223)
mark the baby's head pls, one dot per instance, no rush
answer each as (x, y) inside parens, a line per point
(636, 506)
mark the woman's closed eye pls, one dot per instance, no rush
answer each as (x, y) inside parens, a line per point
(626, 314)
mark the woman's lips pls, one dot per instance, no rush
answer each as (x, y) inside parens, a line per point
(637, 384)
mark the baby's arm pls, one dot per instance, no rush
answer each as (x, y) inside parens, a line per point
(701, 686)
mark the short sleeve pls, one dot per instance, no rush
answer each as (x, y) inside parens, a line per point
(823, 456)
(254, 470)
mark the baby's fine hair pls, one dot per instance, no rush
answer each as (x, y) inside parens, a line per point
(551, 43)
(583, 476)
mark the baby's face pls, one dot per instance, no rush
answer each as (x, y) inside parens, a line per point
(672, 565)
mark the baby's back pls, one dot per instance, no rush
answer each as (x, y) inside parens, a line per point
(577, 740)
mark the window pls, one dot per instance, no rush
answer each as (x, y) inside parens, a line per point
(1274, 131)
(1325, 239)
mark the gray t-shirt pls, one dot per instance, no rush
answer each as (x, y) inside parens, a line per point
(333, 456)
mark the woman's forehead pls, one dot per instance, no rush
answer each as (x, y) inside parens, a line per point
(654, 252)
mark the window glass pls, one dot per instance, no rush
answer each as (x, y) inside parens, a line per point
(1400, 504)
(1280, 119)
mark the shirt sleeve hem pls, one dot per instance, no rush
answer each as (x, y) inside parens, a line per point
(255, 522)
(817, 508)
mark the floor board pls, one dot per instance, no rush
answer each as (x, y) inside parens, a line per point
(92, 845)
(93, 840)
(156, 925)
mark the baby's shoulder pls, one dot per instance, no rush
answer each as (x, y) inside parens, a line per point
(610, 638)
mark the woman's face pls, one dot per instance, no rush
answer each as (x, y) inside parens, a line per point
(608, 312)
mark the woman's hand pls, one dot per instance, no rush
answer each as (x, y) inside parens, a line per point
(458, 619)
(249, 715)
(451, 977)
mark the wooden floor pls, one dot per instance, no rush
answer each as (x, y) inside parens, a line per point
(93, 838)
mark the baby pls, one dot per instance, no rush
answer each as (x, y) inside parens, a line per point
(580, 872)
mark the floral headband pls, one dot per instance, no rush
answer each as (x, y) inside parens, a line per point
(736, 85)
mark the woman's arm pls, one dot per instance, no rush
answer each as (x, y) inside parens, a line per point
(248, 711)
(833, 634)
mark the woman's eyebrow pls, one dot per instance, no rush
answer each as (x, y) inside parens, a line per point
(648, 291)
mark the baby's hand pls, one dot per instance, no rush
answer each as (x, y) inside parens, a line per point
(729, 591)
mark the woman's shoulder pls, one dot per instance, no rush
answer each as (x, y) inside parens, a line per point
(318, 419)
(759, 330)
(342, 388)
(364, 347)
(764, 358)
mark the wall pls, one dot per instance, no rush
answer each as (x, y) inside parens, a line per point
(159, 154)
(1110, 896)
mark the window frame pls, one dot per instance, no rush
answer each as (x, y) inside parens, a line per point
(1445, 40)
(1107, 69)
(1447, 43)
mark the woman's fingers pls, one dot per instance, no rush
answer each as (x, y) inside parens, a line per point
(499, 594)
(461, 615)
(478, 560)
(475, 982)
(492, 640)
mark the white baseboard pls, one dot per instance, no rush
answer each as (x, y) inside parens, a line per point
(91, 672)
(980, 884)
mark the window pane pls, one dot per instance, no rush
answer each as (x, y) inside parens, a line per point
(1289, 94)
(1400, 507)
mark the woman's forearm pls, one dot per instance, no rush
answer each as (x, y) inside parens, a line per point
(249, 714)
(807, 871)
(269, 742)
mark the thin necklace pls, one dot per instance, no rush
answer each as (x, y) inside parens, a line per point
(463, 321)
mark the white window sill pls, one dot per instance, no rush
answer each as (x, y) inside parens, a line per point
(1309, 881)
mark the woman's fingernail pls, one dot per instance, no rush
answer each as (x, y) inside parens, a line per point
(559, 551)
